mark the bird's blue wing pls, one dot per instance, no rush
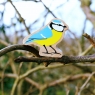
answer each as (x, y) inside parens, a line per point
(40, 35)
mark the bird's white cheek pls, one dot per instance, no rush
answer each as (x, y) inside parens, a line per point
(58, 28)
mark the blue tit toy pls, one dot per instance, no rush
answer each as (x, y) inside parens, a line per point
(48, 37)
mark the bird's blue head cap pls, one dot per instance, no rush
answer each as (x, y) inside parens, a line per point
(57, 21)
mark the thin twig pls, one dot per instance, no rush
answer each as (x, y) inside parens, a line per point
(4, 42)
(87, 50)
(90, 39)
(90, 15)
(32, 82)
(21, 18)
(19, 68)
(14, 86)
(48, 9)
(2, 78)
(68, 78)
(26, 79)
(39, 68)
(90, 47)
(83, 86)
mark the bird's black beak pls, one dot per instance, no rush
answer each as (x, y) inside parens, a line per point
(65, 26)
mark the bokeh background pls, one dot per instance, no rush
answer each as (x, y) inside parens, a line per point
(18, 18)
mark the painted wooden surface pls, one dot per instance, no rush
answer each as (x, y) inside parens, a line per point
(48, 37)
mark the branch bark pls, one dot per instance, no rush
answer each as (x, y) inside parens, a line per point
(19, 47)
(63, 59)
(39, 59)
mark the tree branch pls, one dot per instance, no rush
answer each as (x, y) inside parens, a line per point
(68, 78)
(85, 5)
(89, 38)
(83, 86)
(63, 59)
(20, 17)
(4, 42)
(19, 47)
(38, 59)
(48, 9)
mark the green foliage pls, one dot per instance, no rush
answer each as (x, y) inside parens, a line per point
(57, 90)
(8, 84)
(1, 46)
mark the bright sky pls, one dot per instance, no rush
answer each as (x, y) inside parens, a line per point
(70, 12)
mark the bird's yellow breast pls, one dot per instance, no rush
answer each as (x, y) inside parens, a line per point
(56, 36)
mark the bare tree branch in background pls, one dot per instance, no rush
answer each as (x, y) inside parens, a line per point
(85, 4)
(20, 17)
(48, 9)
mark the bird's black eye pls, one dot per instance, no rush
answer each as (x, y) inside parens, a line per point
(59, 24)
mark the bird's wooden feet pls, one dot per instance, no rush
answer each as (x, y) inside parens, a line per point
(51, 53)
(46, 53)
(55, 53)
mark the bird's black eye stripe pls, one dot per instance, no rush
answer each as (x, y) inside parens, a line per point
(64, 26)
(59, 24)
(56, 24)
(52, 23)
